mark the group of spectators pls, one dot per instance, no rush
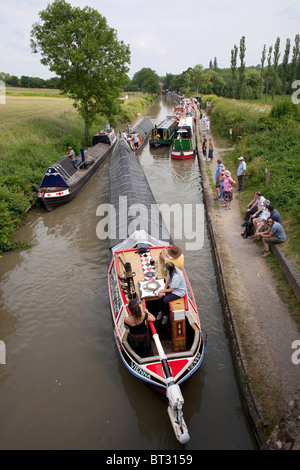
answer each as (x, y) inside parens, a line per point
(224, 184)
(263, 222)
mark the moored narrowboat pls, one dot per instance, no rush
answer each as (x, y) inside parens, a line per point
(163, 133)
(64, 180)
(184, 144)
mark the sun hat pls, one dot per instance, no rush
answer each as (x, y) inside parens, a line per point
(227, 173)
(241, 158)
(223, 170)
(266, 202)
(174, 251)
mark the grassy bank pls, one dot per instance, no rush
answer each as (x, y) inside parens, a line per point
(269, 139)
(34, 133)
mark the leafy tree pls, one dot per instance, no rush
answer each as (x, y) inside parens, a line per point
(194, 78)
(252, 84)
(234, 53)
(262, 63)
(268, 73)
(285, 65)
(167, 81)
(275, 66)
(146, 81)
(242, 68)
(79, 46)
(295, 59)
(215, 66)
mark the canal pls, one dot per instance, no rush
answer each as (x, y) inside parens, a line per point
(63, 385)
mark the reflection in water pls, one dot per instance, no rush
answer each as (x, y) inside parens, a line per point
(64, 385)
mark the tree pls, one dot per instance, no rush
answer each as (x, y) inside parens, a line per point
(215, 66)
(79, 46)
(275, 66)
(146, 81)
(234, 52)
(242, 68)
(285, 61)
(262, 63)
(295, 59)
(268, 74)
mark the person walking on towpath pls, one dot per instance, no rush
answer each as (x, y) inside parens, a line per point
(241, 173)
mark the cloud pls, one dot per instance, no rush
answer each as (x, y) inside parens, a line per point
(166, 35)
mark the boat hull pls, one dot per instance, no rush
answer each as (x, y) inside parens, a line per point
(183, 156)
(52, 199)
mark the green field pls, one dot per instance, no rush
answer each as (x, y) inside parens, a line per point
(23, 107)
(35, 132)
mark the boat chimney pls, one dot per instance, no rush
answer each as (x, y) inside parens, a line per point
(82, 155)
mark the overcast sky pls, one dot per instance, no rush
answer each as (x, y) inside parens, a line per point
(166, 35)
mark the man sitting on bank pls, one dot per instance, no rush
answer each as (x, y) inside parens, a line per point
(274, 235)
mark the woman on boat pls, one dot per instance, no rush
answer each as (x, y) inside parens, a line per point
(138, 337)
(175, 288)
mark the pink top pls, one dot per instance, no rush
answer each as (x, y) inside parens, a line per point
(228, 183)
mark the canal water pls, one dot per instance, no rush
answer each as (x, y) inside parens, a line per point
(63, 385)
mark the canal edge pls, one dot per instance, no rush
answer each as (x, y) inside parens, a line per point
(252, 407)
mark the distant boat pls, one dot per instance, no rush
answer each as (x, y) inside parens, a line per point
(164, 132)
(63, 181)
(142, 130)
(184, 145)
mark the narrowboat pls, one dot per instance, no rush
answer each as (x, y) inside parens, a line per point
(163, 133)
(184, 144)
(136, 272)
(142, 131)
(63, 180)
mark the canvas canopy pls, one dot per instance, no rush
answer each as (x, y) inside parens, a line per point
(134, 206)
(58, 174)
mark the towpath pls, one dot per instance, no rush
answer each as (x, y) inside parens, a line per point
(263, 322)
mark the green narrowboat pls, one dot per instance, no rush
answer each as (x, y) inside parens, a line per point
(164, 132)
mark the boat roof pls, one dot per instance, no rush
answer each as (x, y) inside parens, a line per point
(186, 121)
(166, 123)
(131, 196)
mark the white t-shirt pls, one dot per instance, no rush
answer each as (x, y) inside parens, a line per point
(260, 201)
